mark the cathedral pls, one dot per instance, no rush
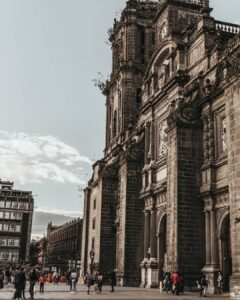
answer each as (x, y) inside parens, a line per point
(166, 195)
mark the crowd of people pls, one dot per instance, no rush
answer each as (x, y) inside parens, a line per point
(96, 281)
(172, 283)
(19, 278)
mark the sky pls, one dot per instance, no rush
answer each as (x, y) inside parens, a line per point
(52, 117)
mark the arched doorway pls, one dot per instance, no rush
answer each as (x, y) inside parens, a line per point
(226, 257)
(162, 247)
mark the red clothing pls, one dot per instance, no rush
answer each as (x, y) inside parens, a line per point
(176, 278)
(42, 279)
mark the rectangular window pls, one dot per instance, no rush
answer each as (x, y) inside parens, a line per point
(93, 243)
(6, 215)
(1, 214)
(16, 242)
(19, 216)
(15, 205)
(10, 242)
(12, 228)
(94, 204)
(13, 216)
(5, 227)
(14, 256)
(7, 256)
(1, 204)
(93, 224)
(18, 228)
(4, 242)
(8, 204)
(1, 226)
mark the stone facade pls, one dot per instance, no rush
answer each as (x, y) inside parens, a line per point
(166, 194)
(16, 212)
(64, 246)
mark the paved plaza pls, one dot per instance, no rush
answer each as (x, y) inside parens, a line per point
(62, 292)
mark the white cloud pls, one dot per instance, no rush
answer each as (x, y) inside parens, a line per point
(61, 212)
(35, 158)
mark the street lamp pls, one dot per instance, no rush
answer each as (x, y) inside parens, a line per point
(92, 254)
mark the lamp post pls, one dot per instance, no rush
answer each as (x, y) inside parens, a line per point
(91, 254)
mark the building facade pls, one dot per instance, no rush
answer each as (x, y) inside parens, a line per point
(64, 246)
(165, 196)
(16, 211)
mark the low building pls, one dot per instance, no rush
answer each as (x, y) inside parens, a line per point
(16, 211)
(64, 246)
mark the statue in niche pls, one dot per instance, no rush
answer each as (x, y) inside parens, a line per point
(163, 74)
(163, 139)
(224, 135)
(161, 77)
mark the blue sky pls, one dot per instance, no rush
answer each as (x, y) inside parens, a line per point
(52, 118)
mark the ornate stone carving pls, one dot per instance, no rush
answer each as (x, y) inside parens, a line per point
(161, 199)
(227, 68)
(162, 139)
(185, 108)
(224, 135)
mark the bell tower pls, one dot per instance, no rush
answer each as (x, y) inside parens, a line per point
(132, 39)
(177, 16)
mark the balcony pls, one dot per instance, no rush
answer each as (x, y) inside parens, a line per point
(227, 27)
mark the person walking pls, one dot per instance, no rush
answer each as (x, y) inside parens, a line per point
(21, 283)
(167, 283)
(73, 279)
(219, 282)
(89, 282)
(112, 279)
(1, 279)
(204, 286)
(182, 284)
(100, 282)
(17, 291)
(42, 281)
(176, 282)
(32, 281)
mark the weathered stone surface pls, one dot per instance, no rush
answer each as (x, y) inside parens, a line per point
(172, 137)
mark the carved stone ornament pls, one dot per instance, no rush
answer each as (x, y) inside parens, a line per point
(134, 151)
(163, 139)
(227, 68)
(185, 108)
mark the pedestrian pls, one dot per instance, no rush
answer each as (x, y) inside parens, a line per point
(112, 279)
(204, 286)
(176, 283)
(89, 281)
(219, 282)
(100, 282)
(17, 291)
(1, 279)
(21, 283)
(42, 281)
(73, 279)
(8, 276)
(167, 283)
(182, 284)
(32, 281)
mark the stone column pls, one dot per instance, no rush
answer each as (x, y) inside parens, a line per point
(152, 265)
(214, 243)
(153, 241)
(146, 234)
(208, 240)
(147, 141)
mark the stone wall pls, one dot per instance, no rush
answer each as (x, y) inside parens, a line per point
(233, 125)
